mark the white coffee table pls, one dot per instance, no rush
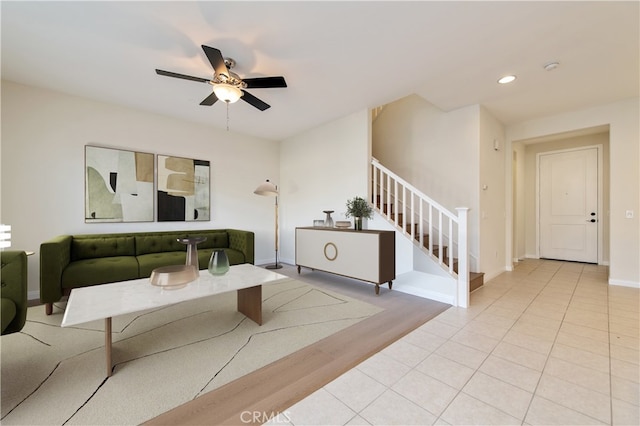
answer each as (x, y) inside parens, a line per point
(108, 300)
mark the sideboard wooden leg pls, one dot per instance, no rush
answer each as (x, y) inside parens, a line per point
(390, 284)
(298, 269)
(48, 308)
(377, 289)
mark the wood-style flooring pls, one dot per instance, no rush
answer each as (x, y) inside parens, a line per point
(277, 386)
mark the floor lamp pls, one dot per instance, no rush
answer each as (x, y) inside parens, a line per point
(269, 189)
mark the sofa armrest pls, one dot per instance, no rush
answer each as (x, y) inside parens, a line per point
(14, 287)
(242, 241)
(55, 255)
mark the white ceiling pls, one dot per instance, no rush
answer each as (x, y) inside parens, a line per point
(337, 57)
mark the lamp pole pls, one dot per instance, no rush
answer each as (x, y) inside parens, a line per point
(276, 265)
(269, 189)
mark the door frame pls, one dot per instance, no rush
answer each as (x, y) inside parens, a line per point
(600, 171)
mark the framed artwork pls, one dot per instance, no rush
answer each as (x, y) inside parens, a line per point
(118, 185)
(183, 189)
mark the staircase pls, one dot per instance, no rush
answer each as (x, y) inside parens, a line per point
(439, 233)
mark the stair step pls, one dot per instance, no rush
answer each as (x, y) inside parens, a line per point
(415, 229)
(436, 253)
(476, 280)
(436, 248)
(383, 206)
(425, 241)
(392, 216)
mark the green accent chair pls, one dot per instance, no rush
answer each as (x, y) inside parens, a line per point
(13, 308)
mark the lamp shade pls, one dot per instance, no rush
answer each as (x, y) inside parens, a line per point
(266, 188)
(226, 92)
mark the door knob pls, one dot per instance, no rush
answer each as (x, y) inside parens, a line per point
(593, 213)
(591, 220)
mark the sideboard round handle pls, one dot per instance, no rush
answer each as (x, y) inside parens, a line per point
(335, 254)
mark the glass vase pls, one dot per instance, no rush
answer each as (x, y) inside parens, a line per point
(357, 223)
(328, 221)
(219, 263)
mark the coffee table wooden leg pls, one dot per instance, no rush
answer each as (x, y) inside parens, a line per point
(107, 344)
(250, 303)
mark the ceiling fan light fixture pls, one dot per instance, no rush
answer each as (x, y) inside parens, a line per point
(227, 93)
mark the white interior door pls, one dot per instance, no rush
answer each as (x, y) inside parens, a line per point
(568, 205)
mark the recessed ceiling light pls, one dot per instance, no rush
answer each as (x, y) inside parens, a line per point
(507, 79)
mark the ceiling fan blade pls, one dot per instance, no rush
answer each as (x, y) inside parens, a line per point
(209, 100)
(216, 59)
(176, 75)
(265, 82)
(250, 99)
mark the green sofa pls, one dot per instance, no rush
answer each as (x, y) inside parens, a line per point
(71, 261)
(13, 297)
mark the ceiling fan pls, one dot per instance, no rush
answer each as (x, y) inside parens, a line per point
(227, 85)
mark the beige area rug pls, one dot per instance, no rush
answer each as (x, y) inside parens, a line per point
(163, 357)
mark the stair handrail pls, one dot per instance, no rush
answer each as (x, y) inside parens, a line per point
(460, 219)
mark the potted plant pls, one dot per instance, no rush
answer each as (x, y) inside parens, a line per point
(358, 208)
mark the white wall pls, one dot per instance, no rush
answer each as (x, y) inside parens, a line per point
(518, 226)
(624, 152)
(435, 151)
(43, 139)
(320, 170)
(492, 158)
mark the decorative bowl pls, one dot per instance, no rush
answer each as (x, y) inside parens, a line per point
(343, 224)
(173, 276)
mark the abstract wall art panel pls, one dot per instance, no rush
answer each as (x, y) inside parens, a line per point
(118, 185)
(183, 189)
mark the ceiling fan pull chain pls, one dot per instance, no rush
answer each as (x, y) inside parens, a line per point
(227, 115)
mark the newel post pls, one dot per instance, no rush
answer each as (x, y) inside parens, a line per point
(462, 293)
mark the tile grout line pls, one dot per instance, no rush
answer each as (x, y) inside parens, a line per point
(533, 393)
(554, 343)
(511, 287)
(554, 340)
(610, 369)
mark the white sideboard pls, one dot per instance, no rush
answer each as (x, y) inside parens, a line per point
(367, 255)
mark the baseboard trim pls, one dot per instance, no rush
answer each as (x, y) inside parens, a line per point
(624, 283)
(33, 295)
(426, 294)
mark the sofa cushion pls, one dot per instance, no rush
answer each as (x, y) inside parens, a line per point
(149, 262)
(86, 272)
(159, 243)
(8, 312)
(214, 240)
(91, 248)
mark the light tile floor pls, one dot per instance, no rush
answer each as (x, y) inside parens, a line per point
(548, 343)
